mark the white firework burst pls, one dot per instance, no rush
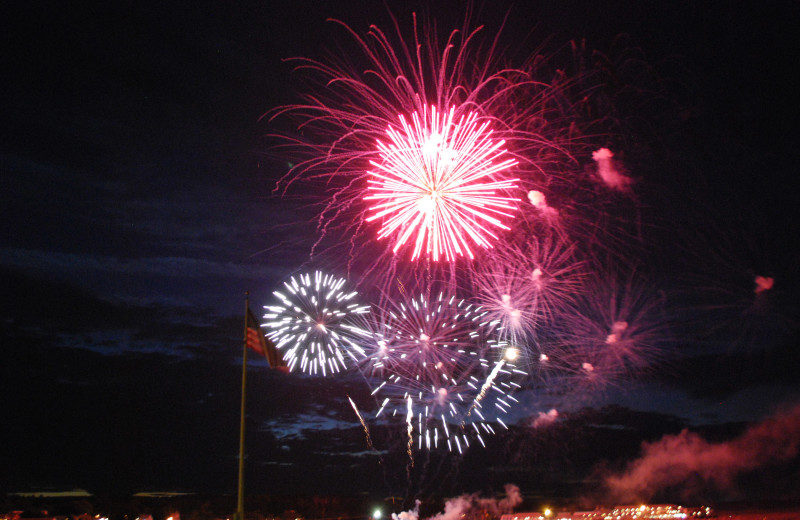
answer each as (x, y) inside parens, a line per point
(312, 321)
(436, 365)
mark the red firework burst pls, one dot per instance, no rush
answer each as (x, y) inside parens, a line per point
(438, 179)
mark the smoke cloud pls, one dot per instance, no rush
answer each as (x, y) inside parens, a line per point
(608, 170)
(545, 419)
(455, 508)
(680, 460)
(408, 515)
(465, 505)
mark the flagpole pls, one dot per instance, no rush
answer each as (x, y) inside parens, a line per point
(240, 496)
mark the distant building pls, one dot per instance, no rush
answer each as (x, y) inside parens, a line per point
(641, 512)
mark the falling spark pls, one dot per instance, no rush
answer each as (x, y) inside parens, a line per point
(409, 417)
(486, 385)
(364, 424)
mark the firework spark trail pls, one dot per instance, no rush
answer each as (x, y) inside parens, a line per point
(364, 424)
(438, 178)
(310, 323)
(486, 386)
(410, 430)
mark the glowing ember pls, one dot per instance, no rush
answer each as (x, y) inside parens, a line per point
(608, 171)
(764, 283)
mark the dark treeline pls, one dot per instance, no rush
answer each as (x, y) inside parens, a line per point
(183, 507)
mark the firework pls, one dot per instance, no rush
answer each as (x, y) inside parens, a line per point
(438, 163)
(424, 338)
(310, 324)
(408, 140)
(436, 177)
(433, 363)
(525, 285)
(619, 330)
(741, 282)
(361, 420)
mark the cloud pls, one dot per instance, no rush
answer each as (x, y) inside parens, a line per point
(165, 281)
(689, 461)
(284, 428)
(50, 261)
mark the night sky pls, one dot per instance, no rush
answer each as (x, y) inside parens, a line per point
(138, 208)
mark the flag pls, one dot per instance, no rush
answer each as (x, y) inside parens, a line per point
(261, 344)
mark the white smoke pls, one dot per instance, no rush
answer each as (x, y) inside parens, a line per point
(408, 515)
(462, 506)
(513, 499)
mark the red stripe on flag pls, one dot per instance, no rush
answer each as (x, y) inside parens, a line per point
(263, 345)
(256, 341)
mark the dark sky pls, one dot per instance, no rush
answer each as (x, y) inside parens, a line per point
(137, 210)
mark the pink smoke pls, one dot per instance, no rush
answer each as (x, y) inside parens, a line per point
(678, 459)
(513, 499)
(545, 419)
(609, 172)
(538, 200)
(764, 283)
(455, 508)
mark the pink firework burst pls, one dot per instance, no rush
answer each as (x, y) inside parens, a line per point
(527, 285)
(621, 330)
(415, 133)
(438, 180)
